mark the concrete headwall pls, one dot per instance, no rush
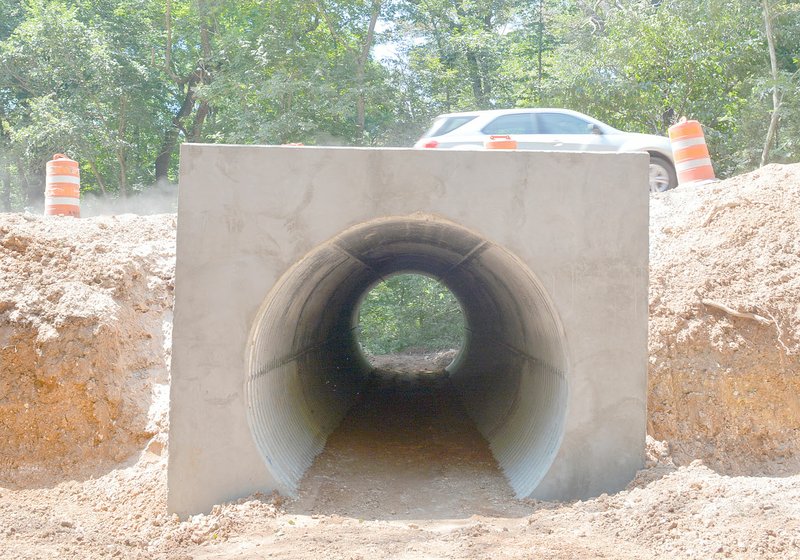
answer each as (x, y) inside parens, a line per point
(547, 253)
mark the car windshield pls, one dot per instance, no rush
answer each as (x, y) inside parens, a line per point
(443, 125)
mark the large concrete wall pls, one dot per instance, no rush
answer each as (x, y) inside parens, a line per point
(546, 251)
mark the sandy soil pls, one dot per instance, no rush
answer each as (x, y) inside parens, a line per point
(667, 512)
(85, 327)
(85, 315)
(725, 388)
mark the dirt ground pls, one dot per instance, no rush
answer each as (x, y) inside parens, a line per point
(725, 388)
(85, 325)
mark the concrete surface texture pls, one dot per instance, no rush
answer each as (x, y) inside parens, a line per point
(547, 253)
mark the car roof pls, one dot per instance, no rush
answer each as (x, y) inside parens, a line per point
(483, 115)
(491, 112)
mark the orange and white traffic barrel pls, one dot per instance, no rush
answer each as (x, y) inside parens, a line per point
(500, 142)
(62, 187)
(689, 150)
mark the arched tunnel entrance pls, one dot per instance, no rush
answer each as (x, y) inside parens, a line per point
(546, 251)
(306, 370)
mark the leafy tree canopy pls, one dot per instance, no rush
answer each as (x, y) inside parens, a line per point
(410, 312)
(119, 84)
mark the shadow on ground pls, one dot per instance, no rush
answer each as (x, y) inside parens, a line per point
(407, 450)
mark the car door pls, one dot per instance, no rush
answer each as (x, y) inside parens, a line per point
(567, 132)
(519, 125)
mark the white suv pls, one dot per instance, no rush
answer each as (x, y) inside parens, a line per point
(551, 130)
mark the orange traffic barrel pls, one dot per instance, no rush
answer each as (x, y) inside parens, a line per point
(692, 161)
(62, 187)
(500, 142)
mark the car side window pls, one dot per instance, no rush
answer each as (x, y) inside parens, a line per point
(515, 123)
(561, 123)
(444, 126)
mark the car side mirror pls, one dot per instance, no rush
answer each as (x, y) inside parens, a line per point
(594, 129)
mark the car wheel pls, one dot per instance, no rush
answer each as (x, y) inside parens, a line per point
(662, 175)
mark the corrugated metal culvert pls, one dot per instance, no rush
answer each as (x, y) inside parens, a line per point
(305, 366)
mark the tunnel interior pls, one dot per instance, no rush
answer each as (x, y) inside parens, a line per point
(306, 369)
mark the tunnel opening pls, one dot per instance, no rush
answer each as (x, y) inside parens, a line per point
(410, 323)
(306, 369)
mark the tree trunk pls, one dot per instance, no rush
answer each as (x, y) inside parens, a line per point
(361, 58)
(121, 156)
(540, 47)
(776, 94)
(165, 154)
(199, 118)
(475, 79)
(361, 101)
(98, 178)
(31, 195)
(201, 74)
(170, 141)
(5, 182)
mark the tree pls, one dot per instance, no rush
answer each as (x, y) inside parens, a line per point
(640, 65)
(782, 33)
(191, 60)
(82, 80)
(457, 47)
(57, 80)
(410, 311)
(300, 72)
(776, 92)
(119, 84)
(357, 51)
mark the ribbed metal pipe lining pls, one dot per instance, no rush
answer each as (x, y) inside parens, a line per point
(305, 368)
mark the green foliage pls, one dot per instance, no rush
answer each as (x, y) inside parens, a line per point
(293, 75)
(10, 17)
(457, 49)
(410, 311)
(650, 63)
(79, 83)
(119, 84)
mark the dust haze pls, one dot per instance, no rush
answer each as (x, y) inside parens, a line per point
(161, 198)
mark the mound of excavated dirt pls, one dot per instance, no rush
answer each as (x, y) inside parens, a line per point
(85, 326)
(412, 362)
(725, 387)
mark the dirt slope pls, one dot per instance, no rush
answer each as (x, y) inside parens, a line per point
(723, 388)
(85, 314)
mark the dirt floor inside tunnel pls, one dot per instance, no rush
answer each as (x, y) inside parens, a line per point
(407, 450)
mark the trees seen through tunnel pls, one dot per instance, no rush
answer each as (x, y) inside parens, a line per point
(410, 312)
